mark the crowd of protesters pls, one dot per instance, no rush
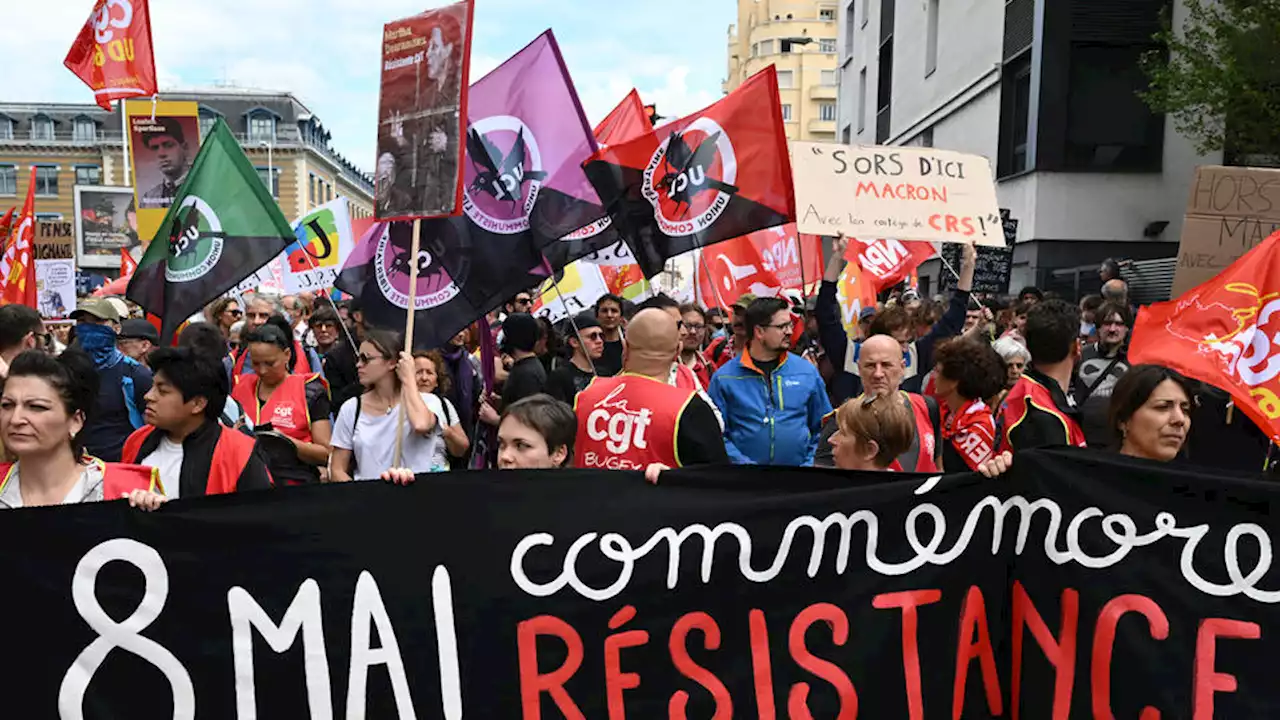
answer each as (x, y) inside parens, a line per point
(264, 391)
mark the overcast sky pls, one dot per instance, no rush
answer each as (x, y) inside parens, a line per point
(326, 52)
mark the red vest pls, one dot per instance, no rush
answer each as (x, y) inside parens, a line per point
(926, 443)
(302, 367)
(118, 479)
(230, 456)
(286, 409)
(685, 379)
(627, 422)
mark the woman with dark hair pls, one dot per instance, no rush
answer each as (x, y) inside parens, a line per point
(536, 432)
(289, 412)
(267, 310)
(1150, 414)
(433, 379)
(365, 434)
(967, 372)
(222, 314)
(43, 408)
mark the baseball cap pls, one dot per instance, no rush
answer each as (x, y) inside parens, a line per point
(96, 307)
(745, 300)
(139, 329)
(520, 332)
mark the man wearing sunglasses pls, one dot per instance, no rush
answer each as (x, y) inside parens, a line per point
(772, 403)
(566, 381)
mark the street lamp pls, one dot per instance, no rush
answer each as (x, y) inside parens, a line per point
(271, 169)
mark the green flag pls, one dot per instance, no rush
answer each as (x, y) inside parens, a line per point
(223, 226)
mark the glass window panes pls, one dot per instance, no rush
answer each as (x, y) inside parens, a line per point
(272, 182)
(827, 112)
(46, 180)
(262, 127)
(826, 13)
(827, 45)
(6, 129)
(41, 128)
(786, 79)
(786, 113)
(206, 125)
(84, 131)
(829, 77)
(766, 47)
(88, 175)
(8, 180)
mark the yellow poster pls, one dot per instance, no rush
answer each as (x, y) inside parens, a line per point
(162, 146)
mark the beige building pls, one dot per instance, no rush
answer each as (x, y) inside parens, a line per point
(74, 144)
(799, 37)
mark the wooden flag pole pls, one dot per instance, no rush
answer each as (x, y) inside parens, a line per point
(408, 330)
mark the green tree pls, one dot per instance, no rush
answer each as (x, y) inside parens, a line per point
(1220, 77)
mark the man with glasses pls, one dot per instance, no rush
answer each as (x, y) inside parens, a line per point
(521, 303)
(566, 381)
(695, 326)
(21, 329)
(1102, 364)
(772, 404)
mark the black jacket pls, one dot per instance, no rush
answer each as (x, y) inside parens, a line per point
(197, 458)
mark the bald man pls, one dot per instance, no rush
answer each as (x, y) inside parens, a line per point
(881, 368)
(635, 419)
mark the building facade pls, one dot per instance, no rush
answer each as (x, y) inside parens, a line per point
(71, 145)
(1047, 90)
(800, 38)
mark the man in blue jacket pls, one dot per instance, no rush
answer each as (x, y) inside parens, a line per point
(772, 403)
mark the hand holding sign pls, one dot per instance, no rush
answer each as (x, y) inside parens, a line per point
(901, 192)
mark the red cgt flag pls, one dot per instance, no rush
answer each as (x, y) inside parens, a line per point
(888, 262)
(712, 176)
(112, 53)
(17, 265)
(127, 263)
(1222, 333)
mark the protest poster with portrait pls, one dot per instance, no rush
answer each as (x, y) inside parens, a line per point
(162, 144)
(422, 113)
(106, 222)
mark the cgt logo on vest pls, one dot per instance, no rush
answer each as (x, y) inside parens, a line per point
(618, 426)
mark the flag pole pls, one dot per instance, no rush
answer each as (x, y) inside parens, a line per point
(574, 323)
(124, 142)
(804, 286)
(972, 299)
(712, 282)
(345, 330)
(408, 329)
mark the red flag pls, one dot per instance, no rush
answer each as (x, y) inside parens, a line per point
(713, 176)
(888, 262)
(6, 227)
(1222, 333)
(17, 268)
(127, 263)
(625, 122)
(112, 53)
(763, 263)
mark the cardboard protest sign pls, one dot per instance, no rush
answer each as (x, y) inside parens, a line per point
(907, 193)
(422, 110)
(55, 269)
(1231, 210)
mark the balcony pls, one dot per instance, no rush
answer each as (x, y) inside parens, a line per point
(827, 127)
(64, 138)
(823, 92)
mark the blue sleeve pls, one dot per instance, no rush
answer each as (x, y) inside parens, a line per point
(819, 408)
(950, 325)
(831, 334)
(720, 397)
(314, 359)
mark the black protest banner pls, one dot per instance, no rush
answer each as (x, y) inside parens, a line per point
(1080, 587)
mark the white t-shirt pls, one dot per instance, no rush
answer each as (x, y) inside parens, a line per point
(374, 442)
(448, 419)
(88, 488)
(167, 458)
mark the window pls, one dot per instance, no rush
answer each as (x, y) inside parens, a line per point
(827, 112)
(786, 113)
(862, 100)
(271, 182)
(6, 129)
(47, 180)
(850, 26)
(84, 130)
(262, 127)
(828, 78)
(866, 12)
(884, 91)
(8, 179)
(311, 189)
(1109, 127)
(931, 39)
(827, 14)
(207, 122)
(786, 79)
(88, 175)
(766, 47)
(1015, 116)
(41, 128)
(926, 138)
(755, 49)
(827, 46)
(846, 135)
(49, 217)
(786, 47)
